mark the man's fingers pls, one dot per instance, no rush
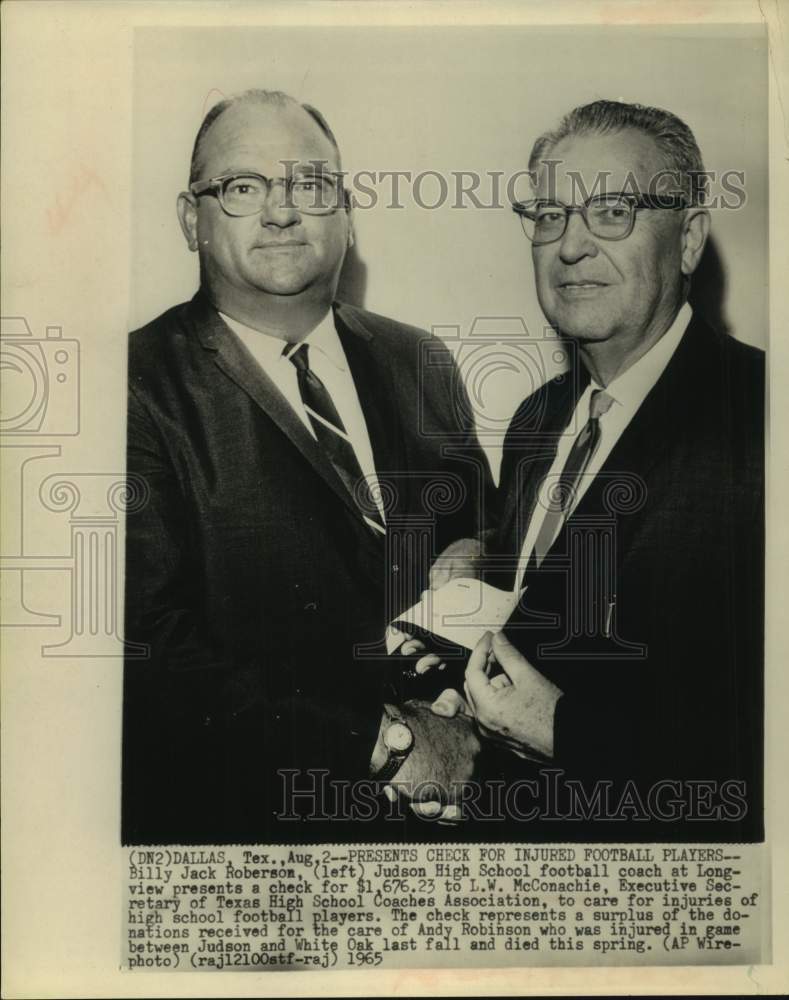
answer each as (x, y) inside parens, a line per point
(478, 661)
(453, 569)
(457, 560)
(439, 575)
(448, 704)
(445, 815)
(427, 810)
(500, 681)
(469, 699)
(411, 646)
(431, 660)
(513, 663)
(477, 669)
(451, 815)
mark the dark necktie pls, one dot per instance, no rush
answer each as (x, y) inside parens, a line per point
(332, 436)
(561, 494)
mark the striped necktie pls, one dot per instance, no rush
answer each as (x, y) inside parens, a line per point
(332, 436)
(561, 495)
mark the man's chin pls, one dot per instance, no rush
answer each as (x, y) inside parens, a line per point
(584, 333)
(285, 291)
(282, 276)
(584, 325)
(283, 285)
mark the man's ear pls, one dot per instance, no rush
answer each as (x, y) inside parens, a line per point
(349, 212)
(695, 230)
(187, 216)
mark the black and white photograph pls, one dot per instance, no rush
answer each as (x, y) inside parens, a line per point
(307, 455)
(393, 518)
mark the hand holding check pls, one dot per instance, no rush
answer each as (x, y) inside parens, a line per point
(514, 708)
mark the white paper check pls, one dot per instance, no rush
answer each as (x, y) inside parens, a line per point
(460, 612)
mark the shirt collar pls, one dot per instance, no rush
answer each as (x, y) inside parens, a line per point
(631, 388)
(323, 338)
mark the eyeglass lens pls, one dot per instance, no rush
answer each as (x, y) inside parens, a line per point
(604, 218)
(246, 194)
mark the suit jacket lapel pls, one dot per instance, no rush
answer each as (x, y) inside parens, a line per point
(232, 358)
(657, 424)
(372, 375)
(535, 451)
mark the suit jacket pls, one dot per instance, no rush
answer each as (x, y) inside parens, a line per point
(251, 577)
(648, 611)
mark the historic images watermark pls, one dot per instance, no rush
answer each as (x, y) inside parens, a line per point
(549, 796)
(433, 190)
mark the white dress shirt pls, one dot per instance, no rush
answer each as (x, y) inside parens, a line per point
(328, 361)
(628, 391)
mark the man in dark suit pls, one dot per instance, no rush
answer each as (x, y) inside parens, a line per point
(302, 462)
(630, 675)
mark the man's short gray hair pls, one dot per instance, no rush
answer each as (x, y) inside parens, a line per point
(671, 135)
(254, 96)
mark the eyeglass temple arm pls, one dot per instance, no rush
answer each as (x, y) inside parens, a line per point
(202, 187)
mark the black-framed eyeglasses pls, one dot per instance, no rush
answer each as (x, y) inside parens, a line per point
(245, 193)
(607, 216)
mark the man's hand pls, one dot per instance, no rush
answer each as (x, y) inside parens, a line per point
(443, 758)
(424, 663)
(515, 709)
(460, 559)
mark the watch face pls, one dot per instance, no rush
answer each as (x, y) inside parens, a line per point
(398, 737)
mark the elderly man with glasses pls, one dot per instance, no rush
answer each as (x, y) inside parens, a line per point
(287, 443)
(632, 511)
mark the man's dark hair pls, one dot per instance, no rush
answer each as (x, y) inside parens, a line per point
(257, 96)
(671, 135)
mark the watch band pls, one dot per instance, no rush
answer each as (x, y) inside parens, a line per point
(391, 767)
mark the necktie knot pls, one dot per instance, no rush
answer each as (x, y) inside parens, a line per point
(299, 357)
(599, 404)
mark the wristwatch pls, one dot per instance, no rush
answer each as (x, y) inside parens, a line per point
(398, 740)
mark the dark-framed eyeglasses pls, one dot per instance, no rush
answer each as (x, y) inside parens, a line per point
(245, 193)
(607, 216)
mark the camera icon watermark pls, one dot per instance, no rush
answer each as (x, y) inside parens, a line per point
(73, 583)
(497, 369)
(40, 381)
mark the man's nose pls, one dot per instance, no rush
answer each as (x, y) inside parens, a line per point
(577, 241)
(278, 208)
